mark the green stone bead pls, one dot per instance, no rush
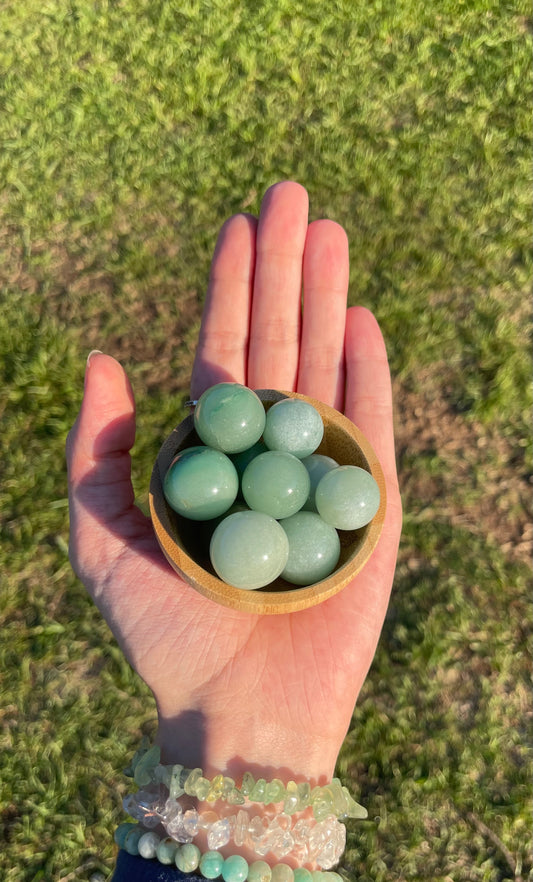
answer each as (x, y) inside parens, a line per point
(275, 791)
(216, 789)
(144, 769)
(211, 864)
(292, 801)
(259, 871)
(258, 792)
(202, 788)
(229, 417)
(163, 775)
(248, 782)
(175, 787)
(314, 548)
(235, 797)
(304, 794)
(334, 877)
(147, 845)
(190, 784)
(294, 426)
(282, 873)
(131, 840)
(249, 550)
(322, 803)
(340, 803)
(201, 483)
(317, 466)
(354, 810)
(122, 831)
(166, 851)
(228, 787)
(347, 497)
(302, 875)
(235, 869)
(275, 483)
(187, 858)
(241, 460)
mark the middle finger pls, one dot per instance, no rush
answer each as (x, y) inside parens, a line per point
(276, 307)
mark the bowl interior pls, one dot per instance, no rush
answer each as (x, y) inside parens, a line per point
(186, 543)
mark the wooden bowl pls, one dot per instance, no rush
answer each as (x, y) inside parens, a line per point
(185, 543)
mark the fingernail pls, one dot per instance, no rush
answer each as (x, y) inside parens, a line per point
(93, 352)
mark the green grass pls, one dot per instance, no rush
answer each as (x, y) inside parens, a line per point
(129, 132)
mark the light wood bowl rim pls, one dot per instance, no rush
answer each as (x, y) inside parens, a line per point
(263, 602)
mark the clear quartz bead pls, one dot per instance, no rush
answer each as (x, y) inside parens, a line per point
(256, 829)
(331, 853)
(173, 821)
(241, 828)
(190, 822)
(207, 819)
(145, 806)
(301, 832)
(219, 834)
(284, 844)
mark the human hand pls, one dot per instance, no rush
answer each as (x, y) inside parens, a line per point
(234, 690)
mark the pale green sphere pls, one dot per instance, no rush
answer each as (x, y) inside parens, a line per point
(294, 426)
(275, 483)
(211, 864)
(249, 549)
(187, 858)
(347, 497)
(317, 465)
(259, 871)
(314, 548)
(235, 869)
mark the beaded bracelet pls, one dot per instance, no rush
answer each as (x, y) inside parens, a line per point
(307, 839)
(211, 864)
(332, 799)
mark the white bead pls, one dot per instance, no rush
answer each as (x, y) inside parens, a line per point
(147, 845)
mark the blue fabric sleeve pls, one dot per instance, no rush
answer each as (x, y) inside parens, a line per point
(131, 868)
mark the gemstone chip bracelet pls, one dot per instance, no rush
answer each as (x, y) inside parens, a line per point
(331, 799)
(305, 839)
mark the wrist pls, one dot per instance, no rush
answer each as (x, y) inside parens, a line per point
(266, 750)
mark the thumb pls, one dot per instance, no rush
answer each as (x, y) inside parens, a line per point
(103, 514)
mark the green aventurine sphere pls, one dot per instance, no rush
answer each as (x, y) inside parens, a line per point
(229, 417)
(314, 548)
(317, 466)
(249, 549)
(294, 426)
(347, 497)
(201, 483)
(275, 483)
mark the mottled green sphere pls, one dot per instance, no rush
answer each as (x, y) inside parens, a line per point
(229, 417)
(201, 483)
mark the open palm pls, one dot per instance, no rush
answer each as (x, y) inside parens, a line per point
(236, 690)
